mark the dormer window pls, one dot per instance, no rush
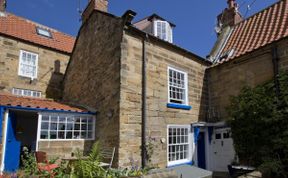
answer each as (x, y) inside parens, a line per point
(163, 30)
(43, 32)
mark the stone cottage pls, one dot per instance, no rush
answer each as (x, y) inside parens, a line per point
(146, 87)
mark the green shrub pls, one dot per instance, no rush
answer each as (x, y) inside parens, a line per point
(259, 123)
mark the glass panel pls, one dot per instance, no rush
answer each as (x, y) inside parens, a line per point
(62, 119)
(53, 135)
(61, 126)
(90, 136)
(83, 135)
(61, 135)
(44, 125)
(70, 126)
(45, 118)
(68, 135)
(54, 119)
(77, 126)
(44, 135)
(53, 126)
(83, 126)
(76, 135)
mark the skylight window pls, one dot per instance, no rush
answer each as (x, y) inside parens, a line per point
(43, 32)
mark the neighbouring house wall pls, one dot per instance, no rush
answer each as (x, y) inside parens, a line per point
(159, 57)
(255, 68)
(93, 75)
(48, 81)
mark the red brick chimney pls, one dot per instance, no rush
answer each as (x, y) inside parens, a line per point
(3, 5)
(101, 5)
(230, 16)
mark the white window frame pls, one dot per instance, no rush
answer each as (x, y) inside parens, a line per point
(168, 30)
(186, 102)
(190, 150)
(64, 115)
(21, 92)
(20, 63)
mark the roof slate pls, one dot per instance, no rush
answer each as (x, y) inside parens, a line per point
(20, 28)
(36, 103)
(259, 30)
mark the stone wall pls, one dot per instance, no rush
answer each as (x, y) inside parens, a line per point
(64, 148)
(48, 81)
(159, 57)
(226, 80)
(93, 75)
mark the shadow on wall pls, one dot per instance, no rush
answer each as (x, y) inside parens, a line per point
(204, 100)
(55, 85)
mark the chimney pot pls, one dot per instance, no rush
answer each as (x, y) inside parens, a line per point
(231, 4)
(3, 4)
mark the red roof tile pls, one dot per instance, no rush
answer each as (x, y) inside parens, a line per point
(36, 103)
(24, 29)
(259, 30)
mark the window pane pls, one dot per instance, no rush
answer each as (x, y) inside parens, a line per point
(77, 126)
(44, 125)
(83, 126)
(68, 135)
(45, 118)
(83, 134)
(61, 126)
(53, 135)
(90, 136)
(61, 135)
(53, 126)
(76, 135)
(44, 135)
(54, 119)
(70, 126)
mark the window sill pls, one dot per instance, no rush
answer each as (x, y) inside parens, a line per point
(179, 106)
(179, 164)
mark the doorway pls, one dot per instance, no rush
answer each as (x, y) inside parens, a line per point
(201, 153)
(21, 132)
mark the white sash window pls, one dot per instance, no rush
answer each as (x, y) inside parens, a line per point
(28, 64)
(163, 30)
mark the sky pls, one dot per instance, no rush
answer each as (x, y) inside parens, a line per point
(194, 19)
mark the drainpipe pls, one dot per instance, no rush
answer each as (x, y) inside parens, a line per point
(144, 111)
(275, 60)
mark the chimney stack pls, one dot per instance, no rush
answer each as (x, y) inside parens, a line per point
(101, 5)
(230, 16)
(3, 4)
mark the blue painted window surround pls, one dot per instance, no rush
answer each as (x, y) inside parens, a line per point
(179, 106)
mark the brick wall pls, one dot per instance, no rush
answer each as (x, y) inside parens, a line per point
(48, 81)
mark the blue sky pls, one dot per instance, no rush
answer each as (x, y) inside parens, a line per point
(195, 19)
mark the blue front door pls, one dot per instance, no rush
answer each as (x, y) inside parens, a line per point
(201, 151)
(12, 151)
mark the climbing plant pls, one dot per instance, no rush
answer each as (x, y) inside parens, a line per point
(259, 123)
